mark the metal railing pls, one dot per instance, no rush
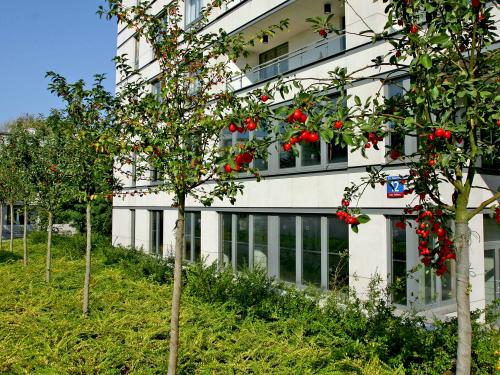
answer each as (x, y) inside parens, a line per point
(306, 55)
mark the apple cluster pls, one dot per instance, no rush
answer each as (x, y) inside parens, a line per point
(302, 135)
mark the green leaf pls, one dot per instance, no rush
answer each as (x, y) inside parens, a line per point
(426, 61)
(439, 39)
(354, 228)
(363, 219)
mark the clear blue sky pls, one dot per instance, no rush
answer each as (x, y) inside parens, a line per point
(36, 36)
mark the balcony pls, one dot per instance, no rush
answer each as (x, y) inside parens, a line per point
(291, 61)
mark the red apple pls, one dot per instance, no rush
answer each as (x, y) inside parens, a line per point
(232, 127)
(432, 162)
(345, 203)
(228, 168)
(304, 135)
(294, 140)
(264, 98)
(313, 137)
(447, 134)
(338, 124)
(297, 114)
(251, 126)
(323, 33)
(287, 147)
(413, 29)
(395, 154)
(303, 118)
(476, 3)
(439, 132)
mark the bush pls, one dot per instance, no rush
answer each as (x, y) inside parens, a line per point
(139, 264)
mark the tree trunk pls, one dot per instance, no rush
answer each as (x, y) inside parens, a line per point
(11, 244)
(86, 284)
(464, 349)
(48, 266)
(25, 236)
(1, 225)
(176, 294)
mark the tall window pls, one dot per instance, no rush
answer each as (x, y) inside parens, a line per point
(193, 10)
(287, 252)
(414, 284)
(192, 237)
(311, 250)
(260, 245)
(272, 66)
(136, 52)
(156, 235)
(491, 260)
(132, 229)
(227, 252)
(338, 253)
(242, 249)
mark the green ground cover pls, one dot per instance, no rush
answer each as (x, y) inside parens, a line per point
(229, 325)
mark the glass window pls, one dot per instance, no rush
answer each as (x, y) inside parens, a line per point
(193, 10)
(398, 262)
(197, 236)
(287, 248)
(227, 254)
(272, 66)
(260, 241)
(396, 89)
(311, 250)
(287, 158)
(188, 223)
(136, 52)
(310, 154)
(156, 237)
(338, 253)
(242, 253)
(336, 153)
(132, 229)
(258, 163)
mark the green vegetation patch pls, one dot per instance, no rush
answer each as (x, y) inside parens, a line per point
(229, 324)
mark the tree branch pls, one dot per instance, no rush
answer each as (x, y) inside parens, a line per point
(483, 205)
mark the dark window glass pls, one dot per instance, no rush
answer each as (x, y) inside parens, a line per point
(336, 153)
(287, 248)
(258, 163)
(242, 242)
(156, 246)
(338, 253)
(188, 222)
(311, 250)
(197, 236)
(272, 66)
(287, 158)
(260, 241)
(227, 254)
(398, 262)
(311, 153)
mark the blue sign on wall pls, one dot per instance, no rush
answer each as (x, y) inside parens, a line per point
(395, 187)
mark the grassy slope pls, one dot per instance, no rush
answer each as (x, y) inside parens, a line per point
(42, 331)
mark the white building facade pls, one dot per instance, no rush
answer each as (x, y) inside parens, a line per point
(286, 223)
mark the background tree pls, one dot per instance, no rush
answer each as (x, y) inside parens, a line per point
(87, 116)
(49, 174)
(176, 129)
(451, 107)
(23, 131)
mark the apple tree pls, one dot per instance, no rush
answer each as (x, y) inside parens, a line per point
(88, 171)
(174, 123)
(450, 109)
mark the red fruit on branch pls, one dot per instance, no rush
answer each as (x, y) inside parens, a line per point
(232, 127)
(498, 122)
(368, 145)
(439, 132)
(395, 154)
(431, 137)
(294, 140)
(303, 118)
(313, 137)
(241, 129)
(304, 135)
(447, 134)
(413, 29)
(432, 162)
(248, 120)
(228, 168)
(398, 54)
(264, 98)
(476, 3)
(323, 33)
(290, 119)
(287, 147)
(297, 114)
(251, 126)
(440, 232)
(338, 124)
(401, 22)
(345, 203)
(246, 158)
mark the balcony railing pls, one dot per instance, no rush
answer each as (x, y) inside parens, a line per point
(290, 61)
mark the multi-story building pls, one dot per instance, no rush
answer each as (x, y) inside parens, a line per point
(286, 222)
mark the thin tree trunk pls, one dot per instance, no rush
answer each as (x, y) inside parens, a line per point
(48, 265)
(86, 284)
(176, 294)
(464, 348)
(11, 244)
(25, 236)
(1, 225)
